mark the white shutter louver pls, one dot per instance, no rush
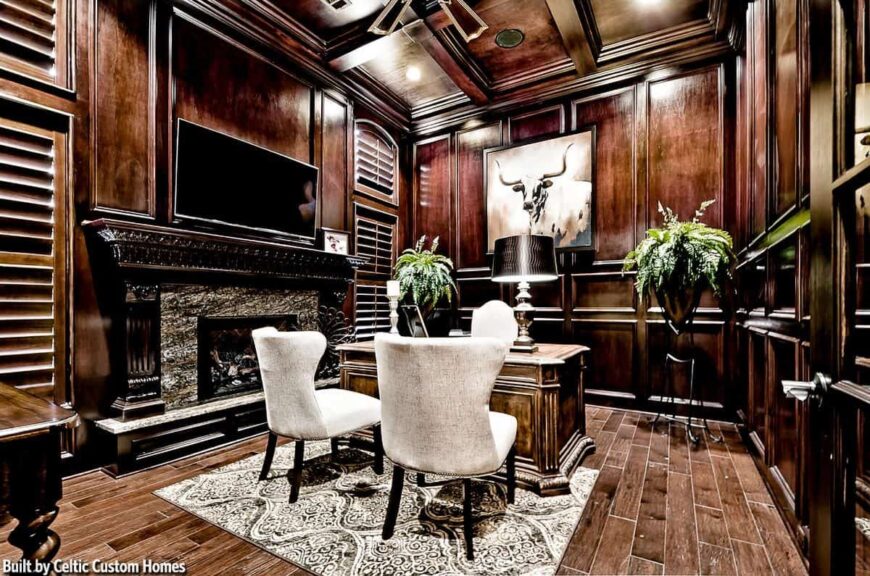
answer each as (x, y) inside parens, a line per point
(27, 259)
(374, 240)
(372, 310)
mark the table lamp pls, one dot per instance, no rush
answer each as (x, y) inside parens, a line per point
(524, 259)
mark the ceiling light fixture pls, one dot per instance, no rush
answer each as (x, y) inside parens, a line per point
(464, 19)
(413, 74)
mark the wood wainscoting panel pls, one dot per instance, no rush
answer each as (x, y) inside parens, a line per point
(278, 118)
(535, 124)
(613, 116)
(613, 361)
(432, 192)
(785, 96)
(333, 196)
(471, 194)
(123, 115)
(686, 145)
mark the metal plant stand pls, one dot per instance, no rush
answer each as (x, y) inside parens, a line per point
(668, 397)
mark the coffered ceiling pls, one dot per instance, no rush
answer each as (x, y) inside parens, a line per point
(426, 67)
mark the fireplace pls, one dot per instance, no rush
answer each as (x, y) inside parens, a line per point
(226, 360)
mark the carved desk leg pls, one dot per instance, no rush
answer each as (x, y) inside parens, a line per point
(34, 478)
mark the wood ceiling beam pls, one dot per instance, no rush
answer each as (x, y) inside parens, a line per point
(423, 35)
(570, 26)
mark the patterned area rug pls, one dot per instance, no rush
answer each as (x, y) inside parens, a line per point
(335, 526)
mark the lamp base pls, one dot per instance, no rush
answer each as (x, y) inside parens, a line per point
(524, 348)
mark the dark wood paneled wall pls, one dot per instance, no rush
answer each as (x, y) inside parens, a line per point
(128, 72)
(773, 238)
(666, 139)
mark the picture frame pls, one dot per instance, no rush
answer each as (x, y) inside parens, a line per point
(558, 199)
(334, 241)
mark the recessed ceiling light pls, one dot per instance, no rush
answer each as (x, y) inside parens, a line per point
(413, 74)
(510, 38)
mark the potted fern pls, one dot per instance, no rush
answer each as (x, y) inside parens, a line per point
(425, 280)
(677, 261)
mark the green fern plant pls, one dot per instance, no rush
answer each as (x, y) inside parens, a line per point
(424, 276)
(680, 254)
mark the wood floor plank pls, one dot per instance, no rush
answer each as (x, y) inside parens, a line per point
(716, 561)
(704, 484)
(644, 567)
(750, 559)
(784, 558)
(602, 446)
(711, 526)
(627, 499)
(738, 518)
(681, 541)
(614, 421)
(643, 432)
(659, 444)
(649, 538)
(750, 479)
(615, 548)
(678, 455)
(583, 545)
(624, 437)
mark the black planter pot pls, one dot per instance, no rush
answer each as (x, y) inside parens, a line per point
(438, 321)
(679, 306)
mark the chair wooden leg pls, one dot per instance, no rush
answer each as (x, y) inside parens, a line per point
(271, 442)
(296, 472)
(333, 445)
(512, 474)
(395, 500)
(421, 479)
(378, 466)
(468, 525)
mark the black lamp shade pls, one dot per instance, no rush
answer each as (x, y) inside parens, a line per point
(524, 258)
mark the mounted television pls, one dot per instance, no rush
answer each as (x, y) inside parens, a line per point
(225, 181)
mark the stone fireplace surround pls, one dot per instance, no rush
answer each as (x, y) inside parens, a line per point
(157, 281)
(182, 305)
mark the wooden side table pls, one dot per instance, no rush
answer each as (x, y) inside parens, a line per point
(30, 474)
(543, 391)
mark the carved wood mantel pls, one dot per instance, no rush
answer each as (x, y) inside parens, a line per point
(139, 257)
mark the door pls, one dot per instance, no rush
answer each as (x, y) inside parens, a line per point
(839, 172)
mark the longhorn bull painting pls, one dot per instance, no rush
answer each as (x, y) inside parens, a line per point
(543, 188)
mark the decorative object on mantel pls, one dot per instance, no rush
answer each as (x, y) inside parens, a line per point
(334, 241)
(464, 19)
(527, 538)
(543, 187)
(524, 259)
(676, 263)
(425, 280)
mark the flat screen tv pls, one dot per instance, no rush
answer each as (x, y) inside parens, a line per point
(222, 180)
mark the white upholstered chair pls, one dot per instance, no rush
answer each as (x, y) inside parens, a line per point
(495, 319)
(435, 414)
(295, 410)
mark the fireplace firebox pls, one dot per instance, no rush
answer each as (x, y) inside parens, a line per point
(226, 360)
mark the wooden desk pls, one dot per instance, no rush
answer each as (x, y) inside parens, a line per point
(544, 391)
(30, 476)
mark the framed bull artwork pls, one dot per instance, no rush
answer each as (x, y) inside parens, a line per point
(543, 187)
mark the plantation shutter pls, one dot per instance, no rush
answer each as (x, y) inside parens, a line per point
(375, 160)
(374, 236)
(30, 267)
(374, 240)
(28, 37)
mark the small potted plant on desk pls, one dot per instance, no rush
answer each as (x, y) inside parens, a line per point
(425, 280)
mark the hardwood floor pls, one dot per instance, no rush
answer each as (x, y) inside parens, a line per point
(660, 506)
(665, 506)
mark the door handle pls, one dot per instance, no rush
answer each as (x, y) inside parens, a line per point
(801, 390)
